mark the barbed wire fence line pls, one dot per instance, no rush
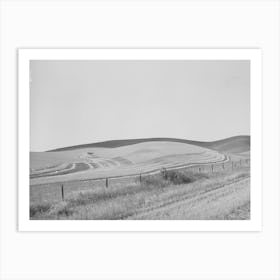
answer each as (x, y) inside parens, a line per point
(59, 191)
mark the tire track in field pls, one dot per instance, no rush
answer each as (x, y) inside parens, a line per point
(183, 199)
(73, 167)
(154, 171)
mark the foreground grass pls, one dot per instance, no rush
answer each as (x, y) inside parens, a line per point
(239, 213)
(171, 195)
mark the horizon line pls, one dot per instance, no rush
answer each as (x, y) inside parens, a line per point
(138, 139)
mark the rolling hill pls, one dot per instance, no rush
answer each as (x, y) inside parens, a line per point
(236, 144)
(126, 157)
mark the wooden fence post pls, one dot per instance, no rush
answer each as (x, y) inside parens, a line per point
(212, 166)
(107, 183)
(140, 177)
(223, 166)
(199, 169)
(62, 192)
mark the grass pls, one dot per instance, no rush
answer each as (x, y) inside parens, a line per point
(39, 209)
(149, 184)
(128, 160)
(155, 197)
(181, 177)
(240, 213)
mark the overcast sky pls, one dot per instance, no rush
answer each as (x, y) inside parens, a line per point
(77, 102)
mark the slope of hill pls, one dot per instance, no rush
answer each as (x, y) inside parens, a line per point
(93, 162)
(236, 144)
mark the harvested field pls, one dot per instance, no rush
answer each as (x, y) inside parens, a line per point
(180, 195)
(112, 162)
(144, 181)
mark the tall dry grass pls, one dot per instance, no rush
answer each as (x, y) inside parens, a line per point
(129, 200)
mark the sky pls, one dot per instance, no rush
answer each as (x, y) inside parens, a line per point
(79, 102)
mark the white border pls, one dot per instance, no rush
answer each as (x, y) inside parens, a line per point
(254, 55)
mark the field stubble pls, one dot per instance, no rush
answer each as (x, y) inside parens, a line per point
(171, 195)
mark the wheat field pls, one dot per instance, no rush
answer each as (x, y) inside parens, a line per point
(143, 181)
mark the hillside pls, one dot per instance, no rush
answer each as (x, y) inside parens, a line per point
(236, 144)
(96, 162)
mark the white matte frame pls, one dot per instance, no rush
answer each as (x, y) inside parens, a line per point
(140, 255)
(253, 55)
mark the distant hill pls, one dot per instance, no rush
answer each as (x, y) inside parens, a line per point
(236, 144)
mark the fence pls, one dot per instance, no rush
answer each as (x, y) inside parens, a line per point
(60, 191)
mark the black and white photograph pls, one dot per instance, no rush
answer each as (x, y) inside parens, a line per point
(139, 139)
